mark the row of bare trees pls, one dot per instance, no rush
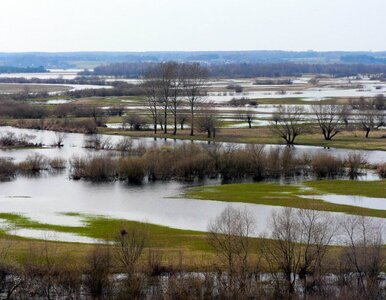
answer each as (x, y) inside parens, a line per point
(170, 85)
(289, 122)
(298, 259)
(297, 256)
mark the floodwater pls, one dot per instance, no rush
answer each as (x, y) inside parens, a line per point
(48, 197)
(74, 142)
(361, 201)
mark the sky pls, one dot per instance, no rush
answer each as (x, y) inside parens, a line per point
(190, 25)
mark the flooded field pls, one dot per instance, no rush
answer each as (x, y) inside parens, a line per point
(49, 198)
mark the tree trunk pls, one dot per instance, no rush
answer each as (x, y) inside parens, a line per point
(192, 119)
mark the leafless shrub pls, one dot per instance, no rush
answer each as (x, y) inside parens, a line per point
(7, 169)
(325, 165)
(10, 139)
(57, 163)
(134, 121)
(98, 168)
(97, 272)
(355, 161)
(59, 138)
(129, 246)
(33, 164)
(381, 170)
(98, 142)
(131, 169)
(125, 145)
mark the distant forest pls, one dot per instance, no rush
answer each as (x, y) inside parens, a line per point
(12, 69)
(81, 60)
(240, 70)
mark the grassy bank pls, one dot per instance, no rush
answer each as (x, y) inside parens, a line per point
(264, 135)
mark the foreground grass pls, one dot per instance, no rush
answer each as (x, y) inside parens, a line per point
(295, 195)
(176, 244)
(106, 229)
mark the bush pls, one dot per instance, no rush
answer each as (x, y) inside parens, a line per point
(7, 169)
(325, 165)
(34, 164)
(99, 168)
(354, 162)
(57, 163)
(132, 169)
(381, 170)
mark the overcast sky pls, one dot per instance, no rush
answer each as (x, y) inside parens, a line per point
(152, 25)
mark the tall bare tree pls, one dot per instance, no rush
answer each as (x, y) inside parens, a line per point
(176, 85)
(195, 77)
(300, 240)
(151, 86)
(229, 235)
(364, 252)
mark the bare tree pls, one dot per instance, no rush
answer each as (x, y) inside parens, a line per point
(208, 122)
(134, 121)
(371, 120)
(380, 102)
(176, 84)
(151, 88)
(182, 118)
(248, 117)
(300, 240)
(129, 247)
(97, 271)
(290, 124)
(329, 119)
(317, 232)
(229, 235)
(364, 251)
(195, 77)
(59, 138)
(282, 252)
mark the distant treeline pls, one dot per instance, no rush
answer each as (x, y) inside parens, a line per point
(12, 69)
(118, 89)
(78, 80)
(236, 70)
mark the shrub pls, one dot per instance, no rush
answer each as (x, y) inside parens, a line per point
(57, 163)
(34, 164)
(354, 162)
(98, 168)
(325, 165)
(7, 169)
(381, 170)
(131, 169)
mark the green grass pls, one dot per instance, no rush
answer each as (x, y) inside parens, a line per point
(107, 229)
(375, 189)
(295, 195)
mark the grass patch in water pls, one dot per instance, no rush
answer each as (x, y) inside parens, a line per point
(294, 195)
(375, 189)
